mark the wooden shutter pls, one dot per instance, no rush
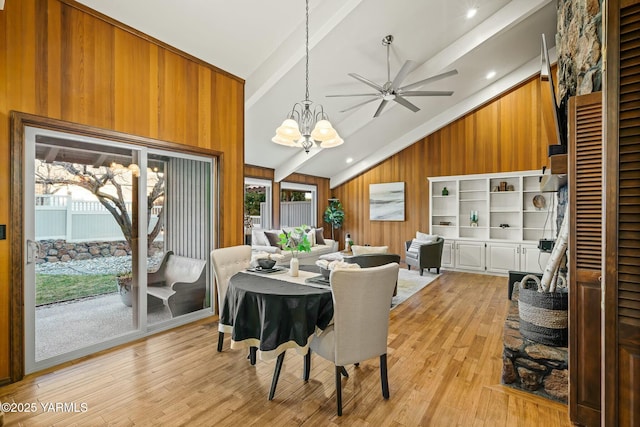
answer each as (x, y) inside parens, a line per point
(585, 251)
(622, 200)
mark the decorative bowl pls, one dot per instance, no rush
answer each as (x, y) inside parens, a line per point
(266, 263)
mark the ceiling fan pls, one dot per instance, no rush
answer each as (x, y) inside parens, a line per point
(392, 91)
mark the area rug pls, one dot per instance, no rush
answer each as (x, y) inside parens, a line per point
(410, 282)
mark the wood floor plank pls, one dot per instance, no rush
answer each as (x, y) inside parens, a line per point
(444, 366)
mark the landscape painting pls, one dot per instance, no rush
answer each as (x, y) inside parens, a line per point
(386, 201)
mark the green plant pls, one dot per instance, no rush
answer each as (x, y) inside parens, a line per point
(334, 215)
(296, 240)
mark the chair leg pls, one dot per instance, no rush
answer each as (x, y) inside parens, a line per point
(408, 267)
(220, 341)
(344, 372)
(438, 270)
(339, 389)
(421, 271)
(276, 375)
(252, 355)
(307, 366)
(383, 376)
(356, 364)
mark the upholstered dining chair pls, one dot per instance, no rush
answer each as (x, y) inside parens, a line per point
(374, 260)
(227, 262)
(361, 321)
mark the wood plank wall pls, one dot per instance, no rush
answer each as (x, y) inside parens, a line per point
(510, 133)
(62, 60)
(324, 192)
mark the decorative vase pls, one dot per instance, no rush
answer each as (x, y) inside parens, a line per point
(124, 288)
(293, 267)
(445, 192)
(474, 218)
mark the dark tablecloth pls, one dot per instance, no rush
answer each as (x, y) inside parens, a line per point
(273, 314)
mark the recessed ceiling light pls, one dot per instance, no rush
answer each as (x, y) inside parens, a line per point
(349, 159)
(491, 74)
(471, 12)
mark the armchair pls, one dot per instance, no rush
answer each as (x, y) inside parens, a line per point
(428, 255)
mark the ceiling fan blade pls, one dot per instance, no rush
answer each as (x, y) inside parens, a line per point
(353, 94)
(430, 79)
(400, 100)
(360, 104)
(403, 73)
(380, 107)
(367, 81)
(427, 93)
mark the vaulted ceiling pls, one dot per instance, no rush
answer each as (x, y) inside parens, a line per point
(263, 43)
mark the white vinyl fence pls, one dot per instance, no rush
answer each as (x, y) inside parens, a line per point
(293, 214)
(61, 217)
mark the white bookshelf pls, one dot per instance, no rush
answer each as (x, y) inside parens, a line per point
(507, 215)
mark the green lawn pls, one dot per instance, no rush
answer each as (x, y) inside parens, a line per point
(59, 287)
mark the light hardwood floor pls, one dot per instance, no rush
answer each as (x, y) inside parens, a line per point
(445, 346)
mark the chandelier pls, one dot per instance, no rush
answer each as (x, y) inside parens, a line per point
(307, 124)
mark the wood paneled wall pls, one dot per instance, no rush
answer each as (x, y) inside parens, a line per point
(324, 192)
(62, 60)
(510, 133)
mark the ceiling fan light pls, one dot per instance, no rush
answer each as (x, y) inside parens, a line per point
(323, 131)
(332, 142)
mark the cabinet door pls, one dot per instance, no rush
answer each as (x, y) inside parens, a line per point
(532, 260)
(447, 254)
(470, 255)
(503, 257)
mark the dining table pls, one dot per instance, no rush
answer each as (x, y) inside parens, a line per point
(272, 311)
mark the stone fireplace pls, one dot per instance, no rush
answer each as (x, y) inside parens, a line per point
(530, 366)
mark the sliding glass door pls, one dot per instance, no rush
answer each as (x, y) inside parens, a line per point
(111, 229)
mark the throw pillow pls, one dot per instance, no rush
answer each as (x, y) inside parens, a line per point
(361, 250)
(415, 245)
(311, 237)
(320, 237)
(274, 239)
(258, 238)
(426, 237)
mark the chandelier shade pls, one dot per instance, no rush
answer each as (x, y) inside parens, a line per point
(304, 126)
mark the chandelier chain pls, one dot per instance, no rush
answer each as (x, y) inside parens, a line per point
(306, 96)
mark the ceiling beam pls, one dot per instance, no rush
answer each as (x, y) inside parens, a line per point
(510, 15)
(453, 113)
(271, 71)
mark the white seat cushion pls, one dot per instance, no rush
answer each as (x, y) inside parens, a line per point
(361, 250)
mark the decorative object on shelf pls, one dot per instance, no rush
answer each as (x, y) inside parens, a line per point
(503, 185)
(510, 187)
(504, 225)
(301, 115)
(445, 192)
(539, 202)
(445, 222)
(495, 189)
(474, 218)
(386, 201)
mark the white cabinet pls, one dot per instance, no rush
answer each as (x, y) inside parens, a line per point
(469, 255)
(503, 257)
(532, 260)
(448, 251)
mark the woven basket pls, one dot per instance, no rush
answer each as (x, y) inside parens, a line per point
(543, 315)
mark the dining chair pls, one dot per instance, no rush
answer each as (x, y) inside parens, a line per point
(227, 262)
(361, 321)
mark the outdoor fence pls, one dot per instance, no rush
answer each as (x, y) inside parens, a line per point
(61, 217)
(293, 214)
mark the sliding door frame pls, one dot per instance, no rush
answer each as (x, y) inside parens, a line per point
(19, 122)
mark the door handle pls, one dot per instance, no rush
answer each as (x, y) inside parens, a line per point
(32, 249)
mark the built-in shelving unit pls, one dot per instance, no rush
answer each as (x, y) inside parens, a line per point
(512, 212)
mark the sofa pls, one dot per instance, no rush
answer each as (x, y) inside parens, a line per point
(264, 242)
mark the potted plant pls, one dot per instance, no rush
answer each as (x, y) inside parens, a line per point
(334, 215)
(295, 241)
(125, 280)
